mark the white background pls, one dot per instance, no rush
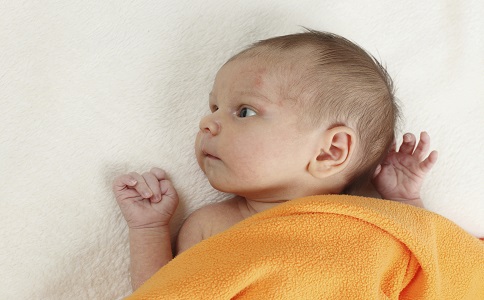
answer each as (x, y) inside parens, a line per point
(92, 89)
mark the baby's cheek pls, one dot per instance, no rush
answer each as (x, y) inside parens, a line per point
(254, 158)
(198, 152)
(197, 139)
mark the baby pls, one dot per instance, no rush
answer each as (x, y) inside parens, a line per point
(291, 116)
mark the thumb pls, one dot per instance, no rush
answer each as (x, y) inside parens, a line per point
(377, 171)
(167, 189)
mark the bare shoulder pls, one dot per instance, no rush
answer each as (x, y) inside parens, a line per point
(207, 221)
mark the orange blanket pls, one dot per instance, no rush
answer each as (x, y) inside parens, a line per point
(329, 247)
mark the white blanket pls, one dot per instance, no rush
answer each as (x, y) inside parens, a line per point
(92, 89)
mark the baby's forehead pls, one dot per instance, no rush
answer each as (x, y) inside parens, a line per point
(244, 78)
(272, 77)
(279, 60)
(270, 67)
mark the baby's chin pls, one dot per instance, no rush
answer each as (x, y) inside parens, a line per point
(219, 185)
(200, 163)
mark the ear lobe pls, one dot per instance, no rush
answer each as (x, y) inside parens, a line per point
(336, 150)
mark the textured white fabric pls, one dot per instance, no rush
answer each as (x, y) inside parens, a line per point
(92, 89)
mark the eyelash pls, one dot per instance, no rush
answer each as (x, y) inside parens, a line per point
(239, 111)
(214, 108)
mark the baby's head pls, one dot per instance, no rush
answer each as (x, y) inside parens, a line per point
(297, 115)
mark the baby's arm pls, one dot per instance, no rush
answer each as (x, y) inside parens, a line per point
(150, 249)
(147, 202)
(401, 174)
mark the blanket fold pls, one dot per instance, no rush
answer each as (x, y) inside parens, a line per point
(329, 247)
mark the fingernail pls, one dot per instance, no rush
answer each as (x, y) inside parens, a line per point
(158, 197)
(146, 194)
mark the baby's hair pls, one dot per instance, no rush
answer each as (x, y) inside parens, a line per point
(336, 82)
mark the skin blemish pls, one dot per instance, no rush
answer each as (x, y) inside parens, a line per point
(259, 77)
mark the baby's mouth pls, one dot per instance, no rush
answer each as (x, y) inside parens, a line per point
(212, 157)
(208, 155)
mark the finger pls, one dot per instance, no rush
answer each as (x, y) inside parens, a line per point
(408, 144)
(154, 185)
(377, 171)
(429, 162)
(123, 181)
(168, 190)
(393, 148)
(423, 146)
(159, 173)
(141, 186)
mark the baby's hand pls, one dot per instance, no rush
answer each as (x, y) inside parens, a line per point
(401, 174)
(146, 201)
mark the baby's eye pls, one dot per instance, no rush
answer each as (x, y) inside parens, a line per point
(246, 112)
(213, 108)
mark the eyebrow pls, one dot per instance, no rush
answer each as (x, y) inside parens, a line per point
(250, 94)
(258, 95)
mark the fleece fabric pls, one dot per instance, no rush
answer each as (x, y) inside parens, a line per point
(329, 247)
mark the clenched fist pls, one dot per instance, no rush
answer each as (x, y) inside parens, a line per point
(146, 201)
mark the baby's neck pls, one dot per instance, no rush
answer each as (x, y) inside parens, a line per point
(250, 207)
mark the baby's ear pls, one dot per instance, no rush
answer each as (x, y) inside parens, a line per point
(337, 147)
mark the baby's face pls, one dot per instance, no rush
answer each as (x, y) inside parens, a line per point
(251, 144)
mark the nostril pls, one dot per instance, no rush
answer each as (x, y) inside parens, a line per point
(203, 123)
(209, 125)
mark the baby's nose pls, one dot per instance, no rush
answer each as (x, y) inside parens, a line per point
(210, 125)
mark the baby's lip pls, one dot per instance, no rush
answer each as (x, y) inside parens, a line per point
(209, 155)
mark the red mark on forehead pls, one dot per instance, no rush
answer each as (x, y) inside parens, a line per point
(259, 77)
